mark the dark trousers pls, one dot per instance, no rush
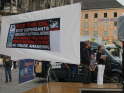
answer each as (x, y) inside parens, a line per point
(93, 77)
(8, 74)
(86, 74)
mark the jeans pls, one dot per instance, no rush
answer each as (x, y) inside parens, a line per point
(8, 74)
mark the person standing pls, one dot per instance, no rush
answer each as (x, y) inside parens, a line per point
(14, 64)
(85, 61)
(92, 67)
(7, 65)
(100, 56)
(86, 53)
(38, 69)
(101, 59)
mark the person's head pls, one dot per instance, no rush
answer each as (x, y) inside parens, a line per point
(87, 44)
(100, 47)
(7, 58)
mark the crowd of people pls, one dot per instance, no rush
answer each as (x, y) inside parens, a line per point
(91, 59)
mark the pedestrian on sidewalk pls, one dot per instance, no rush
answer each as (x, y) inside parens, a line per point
(7, 66)
(14, 65)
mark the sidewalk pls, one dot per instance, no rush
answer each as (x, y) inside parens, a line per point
(14, 86)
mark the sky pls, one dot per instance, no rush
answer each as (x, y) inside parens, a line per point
(121, 1)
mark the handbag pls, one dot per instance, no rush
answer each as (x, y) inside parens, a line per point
(93, 65)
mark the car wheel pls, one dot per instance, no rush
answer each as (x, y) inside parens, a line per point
(116, 78)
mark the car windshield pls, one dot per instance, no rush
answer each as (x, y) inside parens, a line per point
(114, 52)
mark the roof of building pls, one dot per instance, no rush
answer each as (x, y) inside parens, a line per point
(99, 4)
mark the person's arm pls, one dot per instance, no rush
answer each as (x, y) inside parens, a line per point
(98, 55)
(4, 62)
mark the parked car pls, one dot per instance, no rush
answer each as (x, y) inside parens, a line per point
(115, 61)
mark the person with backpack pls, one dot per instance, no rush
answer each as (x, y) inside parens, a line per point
(7, 66)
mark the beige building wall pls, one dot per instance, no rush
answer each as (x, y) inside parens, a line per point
(101, 27)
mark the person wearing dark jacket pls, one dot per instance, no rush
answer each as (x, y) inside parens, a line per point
(85, 53)
(85, 61)
(14, 65)
(100, 56)
(101, 59)
(7, 65)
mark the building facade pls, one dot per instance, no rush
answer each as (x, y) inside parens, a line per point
(22, 6)
(98, 17)
(100, 22)
(10, 7)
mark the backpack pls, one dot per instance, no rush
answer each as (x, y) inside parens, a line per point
(8, 64)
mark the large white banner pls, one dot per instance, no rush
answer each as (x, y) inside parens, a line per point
(51, 34)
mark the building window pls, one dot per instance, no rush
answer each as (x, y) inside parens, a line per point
(95, 15)
(106, 33)
(86, 16)
(85, 25)
(115, 14)
(105, 15)
(115, 23)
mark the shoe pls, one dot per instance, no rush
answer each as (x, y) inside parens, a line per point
(10, 80)
(6, 81)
